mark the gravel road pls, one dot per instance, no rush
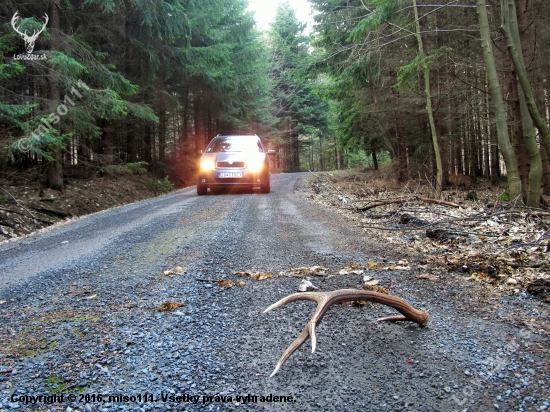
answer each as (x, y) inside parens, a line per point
(78, 302)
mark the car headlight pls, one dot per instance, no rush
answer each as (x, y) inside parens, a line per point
(255, 165)
(208, 165)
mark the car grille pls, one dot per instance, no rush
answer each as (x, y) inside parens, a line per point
(227, 164)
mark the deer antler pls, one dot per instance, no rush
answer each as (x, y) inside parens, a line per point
(326, 299)
(13, 20)
(36, 33)
(29, 40)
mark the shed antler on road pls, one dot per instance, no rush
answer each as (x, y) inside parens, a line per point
(326, 299)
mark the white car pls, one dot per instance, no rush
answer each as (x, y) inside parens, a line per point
(234, 161)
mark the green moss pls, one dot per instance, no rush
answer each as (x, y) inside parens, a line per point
(85, 318)
(55, 384)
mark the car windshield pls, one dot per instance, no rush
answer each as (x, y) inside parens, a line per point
(235, 144)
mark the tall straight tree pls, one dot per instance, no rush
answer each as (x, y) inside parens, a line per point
(292, 89)
(528, 131)
(514, 182)
(55, 166)
(429, 109)
(510, 27)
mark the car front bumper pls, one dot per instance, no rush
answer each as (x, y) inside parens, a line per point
(213, 179)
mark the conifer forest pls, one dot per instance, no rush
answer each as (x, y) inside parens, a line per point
(448, 91)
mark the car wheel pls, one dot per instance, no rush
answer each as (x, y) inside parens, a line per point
(266, 187)
(201, 189)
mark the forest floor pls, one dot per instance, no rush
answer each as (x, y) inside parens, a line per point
(497, 245)
(26, 206)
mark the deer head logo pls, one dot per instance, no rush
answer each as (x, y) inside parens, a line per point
(29, 40)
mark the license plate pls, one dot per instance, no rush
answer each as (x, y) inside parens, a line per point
(229, 174)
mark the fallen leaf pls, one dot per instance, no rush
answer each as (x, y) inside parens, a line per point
(352, 266)
(242, 273)
(428, 276)
(91, 297)
(3, 301)
(261, 276)
(375, 288)
(372, 282)
(169, 306)
(255, 276)
(178, 270)
(225, 284)
(305, 285)
(372, 265)
(343, 272)
(317, 270)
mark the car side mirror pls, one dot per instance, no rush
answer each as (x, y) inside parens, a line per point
(271, 152)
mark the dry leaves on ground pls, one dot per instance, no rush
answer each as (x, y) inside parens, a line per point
(498, 243)
(229, 284)
(254, 275)
(305, 285)
(170, 273)
(169, 306)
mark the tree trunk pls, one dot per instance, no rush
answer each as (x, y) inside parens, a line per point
(508, 27)
(517, 132)
(509, 20)
(55, 167)
(374, 157)
(200, 143)
(495, 164)
(162, 116)
(108, 140)
(514, 183)
(545, 169)
(427, 90)
(400, 134)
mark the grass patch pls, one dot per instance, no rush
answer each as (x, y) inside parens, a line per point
(55, 384)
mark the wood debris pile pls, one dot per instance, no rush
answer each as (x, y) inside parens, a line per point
(499, 243)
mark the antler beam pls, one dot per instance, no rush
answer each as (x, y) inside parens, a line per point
(326, 299)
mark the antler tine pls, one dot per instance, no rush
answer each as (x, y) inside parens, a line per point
(327, 299)
(13, 21)
(294, 297)
(36, 33)
(45, 23)
(309, 330)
